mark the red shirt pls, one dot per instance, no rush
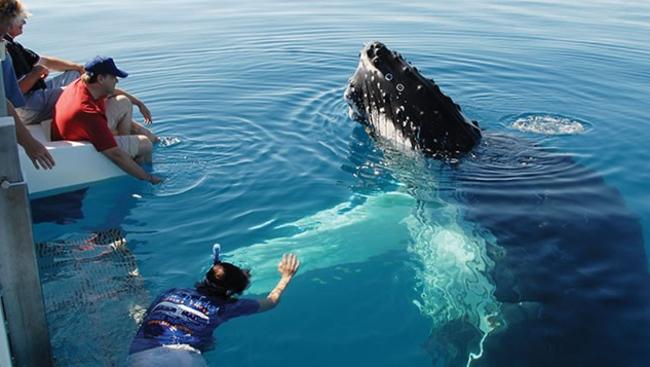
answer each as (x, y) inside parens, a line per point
(78, 116)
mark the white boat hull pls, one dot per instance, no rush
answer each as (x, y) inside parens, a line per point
(78, 164)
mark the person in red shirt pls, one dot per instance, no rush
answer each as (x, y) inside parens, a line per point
(82, 114)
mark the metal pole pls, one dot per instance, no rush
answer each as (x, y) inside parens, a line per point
(22, 295)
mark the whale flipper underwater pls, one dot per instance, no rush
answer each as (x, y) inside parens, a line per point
(574, 255)
(451, 278)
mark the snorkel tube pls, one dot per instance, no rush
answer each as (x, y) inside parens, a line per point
(225, 280)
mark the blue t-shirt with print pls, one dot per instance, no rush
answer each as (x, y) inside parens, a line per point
(12, 90)
(184, 316)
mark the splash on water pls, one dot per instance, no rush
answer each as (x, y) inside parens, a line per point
(168, 141)
(548, 125)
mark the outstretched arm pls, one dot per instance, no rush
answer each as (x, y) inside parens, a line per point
(125, 162)
(287, 268)
(53, 63)
(42, 69)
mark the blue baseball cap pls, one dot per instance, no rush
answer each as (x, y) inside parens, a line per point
(104, 65)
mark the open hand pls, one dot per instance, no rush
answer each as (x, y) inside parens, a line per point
(289, 265)
(144, 110)
(38, 154)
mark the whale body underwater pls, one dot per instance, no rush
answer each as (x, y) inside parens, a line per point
(571, 285)
(527, 259)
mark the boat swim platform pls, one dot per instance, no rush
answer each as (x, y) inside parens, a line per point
(77, 164)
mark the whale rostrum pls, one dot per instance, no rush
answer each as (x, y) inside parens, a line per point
(395, 102)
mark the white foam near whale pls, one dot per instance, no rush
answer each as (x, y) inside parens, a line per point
(548, 125)
(453, 266)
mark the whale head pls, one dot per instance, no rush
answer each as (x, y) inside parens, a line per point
(395, 102)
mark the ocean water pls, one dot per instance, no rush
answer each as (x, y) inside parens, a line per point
(530, 251)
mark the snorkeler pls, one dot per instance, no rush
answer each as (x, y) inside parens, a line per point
(178, 325)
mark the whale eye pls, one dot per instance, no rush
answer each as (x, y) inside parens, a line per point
(389, 77)
(400, 87)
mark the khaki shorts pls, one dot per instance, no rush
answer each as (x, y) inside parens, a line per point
(129, 143)
(117, 109)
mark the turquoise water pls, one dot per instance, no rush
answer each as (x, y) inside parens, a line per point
(260, 155)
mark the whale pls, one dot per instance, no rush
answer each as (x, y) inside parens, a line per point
(397, 103)
(569, 271)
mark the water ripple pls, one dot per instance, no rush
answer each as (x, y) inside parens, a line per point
(248, 96)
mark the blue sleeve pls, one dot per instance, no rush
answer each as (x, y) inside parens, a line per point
(12, 90)
(242, 307)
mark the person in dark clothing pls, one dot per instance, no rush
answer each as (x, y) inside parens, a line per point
(178, 325)
(35, 150)
(32, 70)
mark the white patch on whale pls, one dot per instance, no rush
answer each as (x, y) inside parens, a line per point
(385, 128)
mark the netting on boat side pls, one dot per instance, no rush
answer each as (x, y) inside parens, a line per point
(94, 297)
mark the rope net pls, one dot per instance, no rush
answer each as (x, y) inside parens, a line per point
(94, 297)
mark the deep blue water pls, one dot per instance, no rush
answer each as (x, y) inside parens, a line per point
(397, 249)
